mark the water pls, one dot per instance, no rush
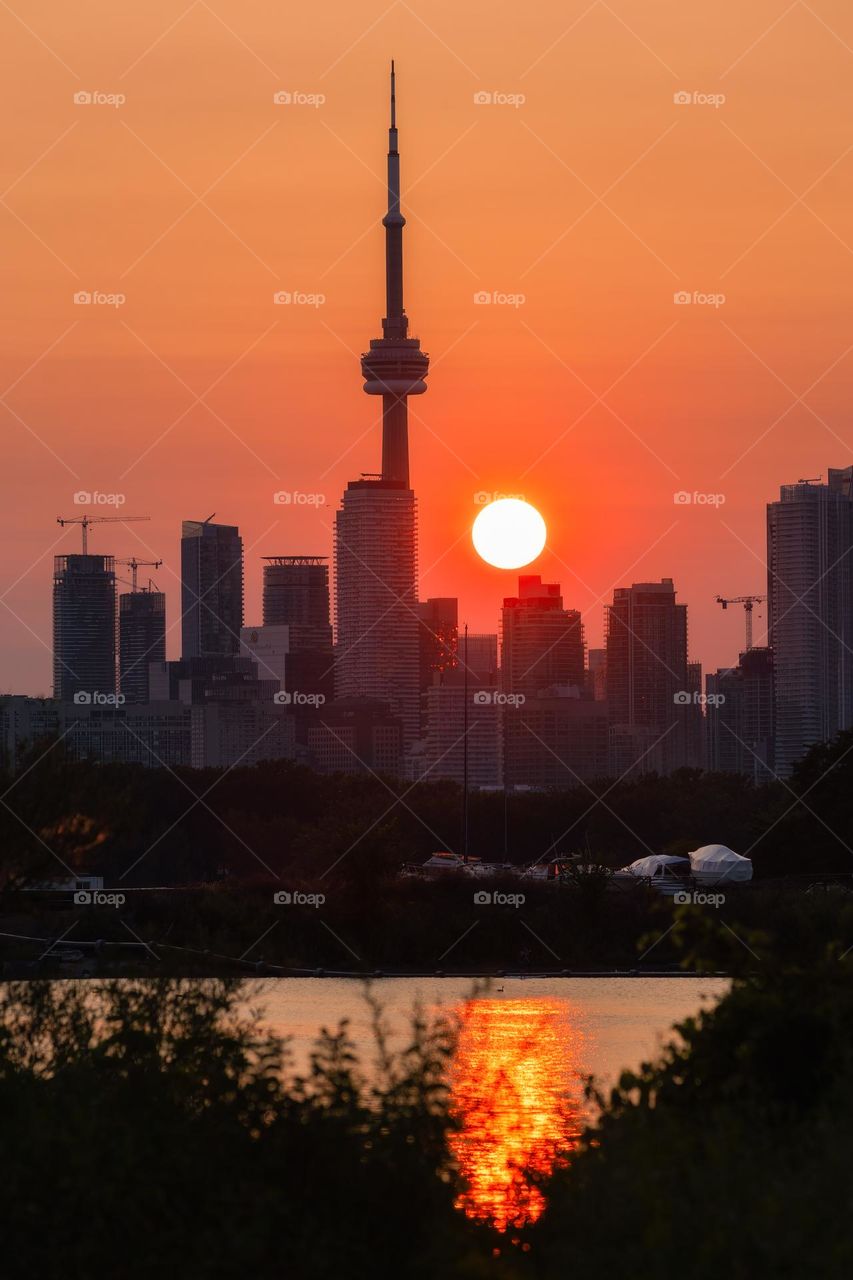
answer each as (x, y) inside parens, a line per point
(526, 1046)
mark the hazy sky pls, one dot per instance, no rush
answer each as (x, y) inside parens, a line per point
(596, 198)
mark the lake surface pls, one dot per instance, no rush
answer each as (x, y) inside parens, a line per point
(525, 1049)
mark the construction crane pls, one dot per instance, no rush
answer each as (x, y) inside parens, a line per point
(135, 564)
(85, 521)
(748, 602)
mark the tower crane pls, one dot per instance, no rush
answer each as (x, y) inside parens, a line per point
(135, 565)
(85, 521)
(748, 602)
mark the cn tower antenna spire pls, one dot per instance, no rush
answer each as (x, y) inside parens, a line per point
(395, 324)
(395, 367)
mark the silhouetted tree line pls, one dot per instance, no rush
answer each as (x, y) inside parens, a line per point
(157, 1128)
(186, 826)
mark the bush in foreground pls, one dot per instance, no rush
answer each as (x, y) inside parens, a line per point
(157, 1127)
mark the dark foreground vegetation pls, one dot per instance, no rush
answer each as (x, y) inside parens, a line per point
(163, 827)
(199, 857)
(154, 1128)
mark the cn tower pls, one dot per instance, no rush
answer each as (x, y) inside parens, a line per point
(394, 367)
(376, 538)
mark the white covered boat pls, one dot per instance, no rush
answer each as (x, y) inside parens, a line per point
(716, 864)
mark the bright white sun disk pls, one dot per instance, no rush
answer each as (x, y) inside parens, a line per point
(509, 533)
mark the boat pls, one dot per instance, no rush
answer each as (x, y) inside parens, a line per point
(716, 864)
(444, 863)
(663, 871)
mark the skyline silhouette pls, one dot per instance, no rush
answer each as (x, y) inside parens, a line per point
(198, 386)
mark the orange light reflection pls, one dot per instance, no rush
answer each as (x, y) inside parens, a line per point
(514, 1091)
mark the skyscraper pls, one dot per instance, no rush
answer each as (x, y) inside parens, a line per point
(549, 728)
(739, 719)
(142, 639)
(296, 595)
(810, 612)
(475, 677)
(211, 589)
(649, 688)
(84, 626)
(377, 631)
(543, 643)
(439, 638)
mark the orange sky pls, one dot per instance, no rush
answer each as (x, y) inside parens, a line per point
(597, 199)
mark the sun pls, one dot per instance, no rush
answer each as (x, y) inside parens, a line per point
(509, 533)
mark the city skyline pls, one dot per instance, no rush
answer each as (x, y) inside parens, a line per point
(723, 382)
(425, 817)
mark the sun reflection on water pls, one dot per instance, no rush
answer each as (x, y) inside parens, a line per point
(515, 1092)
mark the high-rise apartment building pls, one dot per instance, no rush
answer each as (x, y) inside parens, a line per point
(542, 657)
(739, 716)
(211, 589)
(438, 638)
(142, 640)
(810, 612)
(651, 694)
(464, 711)
(84, 627)
(296, 596)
